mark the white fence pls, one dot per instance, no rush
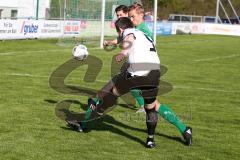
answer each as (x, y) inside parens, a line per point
(24, 29)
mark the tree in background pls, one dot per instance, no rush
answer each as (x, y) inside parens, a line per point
(165, 7)
(191, 7)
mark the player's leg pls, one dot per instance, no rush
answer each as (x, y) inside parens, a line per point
(92, 103)
(165, 111)
(96, 107)
(151, 121)
(149, 90)
(168, 114)
(105, 99)
(140, 100)
(104, 93)
(136, 93)
(81, 126)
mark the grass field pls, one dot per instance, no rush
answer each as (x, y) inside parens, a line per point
(203, 70)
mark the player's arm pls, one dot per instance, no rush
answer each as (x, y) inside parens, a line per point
(127, 44)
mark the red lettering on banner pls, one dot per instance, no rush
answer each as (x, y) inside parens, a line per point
(67, 28)
(75, 28)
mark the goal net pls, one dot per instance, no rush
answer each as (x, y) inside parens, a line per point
(87, 16)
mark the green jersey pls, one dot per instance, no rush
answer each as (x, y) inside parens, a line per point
(143, 27)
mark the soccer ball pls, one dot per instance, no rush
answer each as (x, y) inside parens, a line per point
(80, 52)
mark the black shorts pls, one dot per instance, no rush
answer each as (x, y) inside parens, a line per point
(148, 84)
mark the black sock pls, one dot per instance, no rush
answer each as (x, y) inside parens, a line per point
(151, 121)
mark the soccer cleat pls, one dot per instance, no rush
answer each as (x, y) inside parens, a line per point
(187, 135)
(150, 143)
(75, 125)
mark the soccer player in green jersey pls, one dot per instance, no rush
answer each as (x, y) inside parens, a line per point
(121, 11)
(136, 14)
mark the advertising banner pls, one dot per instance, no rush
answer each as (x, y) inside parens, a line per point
(50, 28)
(29, 28)
(224, 29)
(72, 27)
(163, 28)
(197, 28)
(9, 29)
(206, 28)
(24, 29)
(181, 28)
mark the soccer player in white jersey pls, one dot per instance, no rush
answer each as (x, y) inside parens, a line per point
(144, 61)
(122, 11)
(143, 73)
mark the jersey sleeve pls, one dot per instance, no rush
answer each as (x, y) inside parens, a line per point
(128, 32)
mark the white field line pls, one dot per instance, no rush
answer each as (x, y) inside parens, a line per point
(40, 51)
(6, 53)
(216, 58)
(39, 76)
(103, 81)
(206, 89)
(47, 51)
(25, 75)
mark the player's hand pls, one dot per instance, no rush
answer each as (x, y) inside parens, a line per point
(119, 57)
(106, 43)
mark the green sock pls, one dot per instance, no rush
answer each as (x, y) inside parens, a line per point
(171, 117)
(137, 95)
(88, 113)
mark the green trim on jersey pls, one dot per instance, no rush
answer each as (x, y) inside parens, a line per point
(143, 27)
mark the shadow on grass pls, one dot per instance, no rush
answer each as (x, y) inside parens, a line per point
(131, 107)
(108, 123)
(50, 101)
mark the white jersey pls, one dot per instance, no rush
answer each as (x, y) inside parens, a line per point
(142, 56)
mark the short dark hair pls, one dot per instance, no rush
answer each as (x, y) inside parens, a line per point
(122, 8)
(123, 23)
